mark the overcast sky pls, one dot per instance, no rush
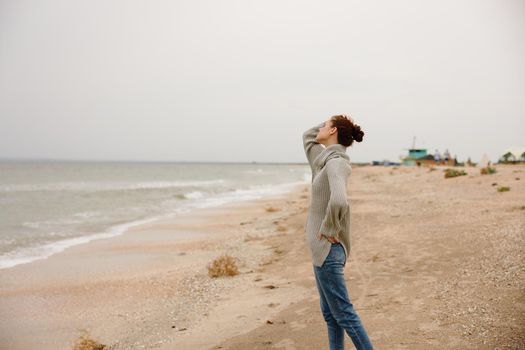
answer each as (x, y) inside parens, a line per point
(242, 80)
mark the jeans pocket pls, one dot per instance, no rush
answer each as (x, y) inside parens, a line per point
(340, 254)
(336, 256)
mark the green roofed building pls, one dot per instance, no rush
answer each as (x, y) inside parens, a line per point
(414, 155)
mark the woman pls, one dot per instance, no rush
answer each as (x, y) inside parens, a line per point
(328, 225)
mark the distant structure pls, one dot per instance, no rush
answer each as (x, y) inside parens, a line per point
(513, 155)
(385, 162)
(484, 162)
(419, 156)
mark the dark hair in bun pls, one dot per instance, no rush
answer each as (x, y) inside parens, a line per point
(347, 130)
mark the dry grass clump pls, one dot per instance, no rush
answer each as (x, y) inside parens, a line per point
(84, 342)
(224, 265)
(453, 172)
(503, 188)
(281, 228)
(487, 170)
(272, 209)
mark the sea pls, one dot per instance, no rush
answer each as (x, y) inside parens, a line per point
(49, 206)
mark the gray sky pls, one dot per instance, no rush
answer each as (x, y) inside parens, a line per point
(241, 80)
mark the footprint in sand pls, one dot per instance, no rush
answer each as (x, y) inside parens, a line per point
(301, 311)
(429, 326)
(297, 325)
(287, 344)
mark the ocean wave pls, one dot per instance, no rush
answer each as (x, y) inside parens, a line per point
(107, 186)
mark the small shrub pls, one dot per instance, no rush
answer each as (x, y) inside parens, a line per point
(224, 265)
(453, 172)
(503, 188)
(487, 170)
(84, 342)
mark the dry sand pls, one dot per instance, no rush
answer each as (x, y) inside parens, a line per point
(435, 264)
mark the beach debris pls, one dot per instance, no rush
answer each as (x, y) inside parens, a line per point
(375, 258)
(224, 265)
(270, 286)
(278, 251)
(503, 188)
(269, 322)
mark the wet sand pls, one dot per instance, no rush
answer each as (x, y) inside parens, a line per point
(435, 264)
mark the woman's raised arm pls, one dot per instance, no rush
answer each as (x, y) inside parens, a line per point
(312, 148)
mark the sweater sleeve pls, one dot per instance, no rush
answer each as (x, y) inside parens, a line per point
(312, 148)
(338, 207)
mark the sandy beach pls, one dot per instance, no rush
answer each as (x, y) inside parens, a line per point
(436, 263)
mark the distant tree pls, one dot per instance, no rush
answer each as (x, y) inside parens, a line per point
(506, 157)
(523, 157)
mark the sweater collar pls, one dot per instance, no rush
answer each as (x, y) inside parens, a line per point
(332, 151)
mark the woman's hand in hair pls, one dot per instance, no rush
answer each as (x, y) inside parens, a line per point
(331, 239)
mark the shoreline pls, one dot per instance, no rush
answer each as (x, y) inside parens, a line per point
(21, 255)
(435, 263)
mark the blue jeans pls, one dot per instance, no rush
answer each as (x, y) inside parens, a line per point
(337, 310)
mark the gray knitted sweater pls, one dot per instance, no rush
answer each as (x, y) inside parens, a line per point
(329, 211)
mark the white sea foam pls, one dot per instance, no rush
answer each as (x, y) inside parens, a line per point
(29, 254)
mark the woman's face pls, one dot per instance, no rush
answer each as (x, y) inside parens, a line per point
(324, 132)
